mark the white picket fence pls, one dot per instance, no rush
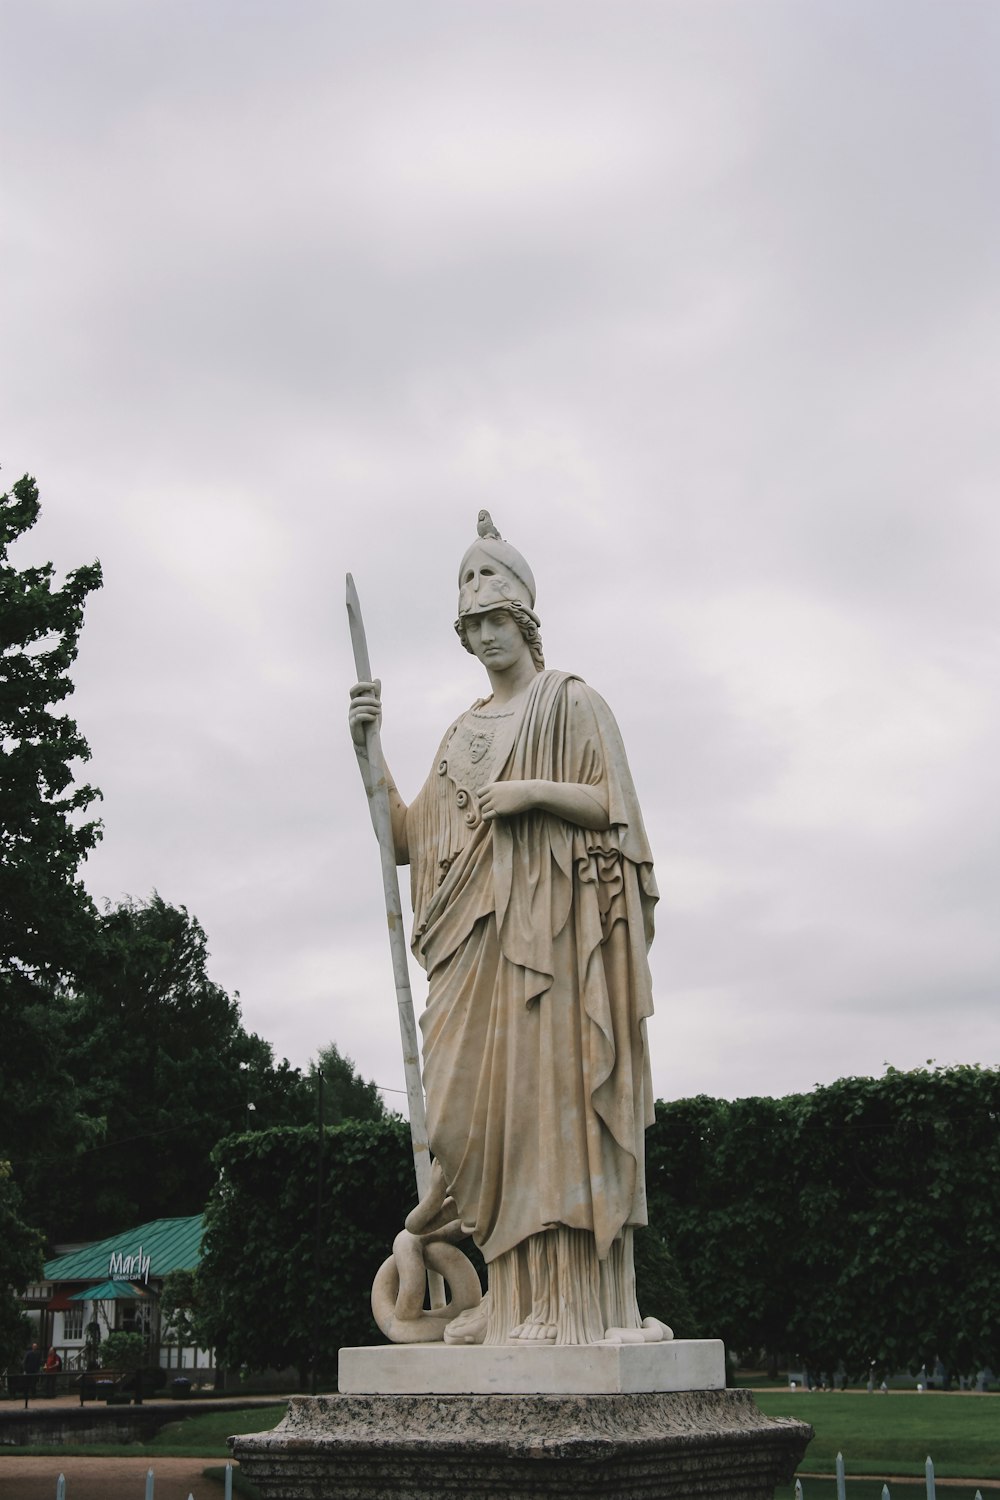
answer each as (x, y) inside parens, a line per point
(931, 1490)
(63, 1494)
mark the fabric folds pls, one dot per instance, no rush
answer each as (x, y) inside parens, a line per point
(534, 932)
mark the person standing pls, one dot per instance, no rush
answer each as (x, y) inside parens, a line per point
(31, 1366)
(53, 1364)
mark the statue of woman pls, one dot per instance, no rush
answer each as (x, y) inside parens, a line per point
(533, 893)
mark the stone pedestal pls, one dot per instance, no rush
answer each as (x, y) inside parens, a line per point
(685, 1445)
(531, 1370)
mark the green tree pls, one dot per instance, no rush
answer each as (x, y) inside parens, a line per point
(346, 1095)
(20, 1263)
(163, 1062)
(257, 1282)
(719, 1193)
(44, 910)
(897, 1239)
(123, 1351)
(660, 1288)
(854, 1224)
(46, 916)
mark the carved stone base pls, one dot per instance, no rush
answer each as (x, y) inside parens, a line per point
(689, 1445)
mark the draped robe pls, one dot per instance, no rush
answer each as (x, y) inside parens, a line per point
(533, 932)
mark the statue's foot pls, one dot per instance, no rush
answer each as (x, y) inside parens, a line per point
(652, 1331)
(532, 1331)
(470, 1326)
(399, 1287)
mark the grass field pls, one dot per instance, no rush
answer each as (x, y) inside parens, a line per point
(880, 1436)
(206, 1435)
(893, 1435)
(203, 1436)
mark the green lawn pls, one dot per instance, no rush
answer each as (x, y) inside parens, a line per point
(194, 1437)
(203, 1436)
(882, 1435)
(871, 1489)
(879, 1436)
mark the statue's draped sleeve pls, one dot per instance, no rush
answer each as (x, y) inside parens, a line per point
(533, 932)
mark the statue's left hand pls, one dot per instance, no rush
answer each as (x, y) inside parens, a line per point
(586, 806)
(505, 799)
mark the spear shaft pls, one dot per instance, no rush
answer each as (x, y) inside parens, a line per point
(376, 785)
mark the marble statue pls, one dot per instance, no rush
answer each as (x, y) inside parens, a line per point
(533, 893)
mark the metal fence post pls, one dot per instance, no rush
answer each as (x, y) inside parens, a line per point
(929, 1477)
(841, 1480)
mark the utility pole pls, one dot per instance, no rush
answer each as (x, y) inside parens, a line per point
(318, 1248)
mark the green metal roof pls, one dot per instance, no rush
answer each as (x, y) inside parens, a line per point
(110, 1291)
(169, 1244)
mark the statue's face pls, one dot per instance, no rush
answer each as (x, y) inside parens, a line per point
(495, 638)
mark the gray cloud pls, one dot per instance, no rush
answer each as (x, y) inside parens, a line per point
(700, 301)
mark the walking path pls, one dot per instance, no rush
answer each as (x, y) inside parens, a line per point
(107, 1478)
(177, 1478)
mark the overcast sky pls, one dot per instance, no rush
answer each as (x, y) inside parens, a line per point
(702, 301)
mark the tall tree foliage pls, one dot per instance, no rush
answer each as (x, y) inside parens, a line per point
(854, 1224)
(46, 917)
(20, 1263)
(900, 1193)
(257, 1281)
(44, 909)
(717, 1178)
(346, 1095)
(164, 1063)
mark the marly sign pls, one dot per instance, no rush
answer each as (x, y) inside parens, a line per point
(129, 1267)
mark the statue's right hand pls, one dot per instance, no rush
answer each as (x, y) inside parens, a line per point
(365, 709)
